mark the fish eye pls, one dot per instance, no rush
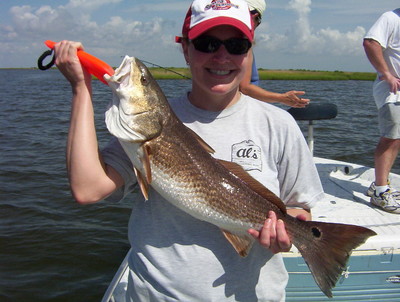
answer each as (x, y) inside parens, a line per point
(144, 81)
(143, 78)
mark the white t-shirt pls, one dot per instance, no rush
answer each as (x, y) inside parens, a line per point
(179, 258)
(386, 31)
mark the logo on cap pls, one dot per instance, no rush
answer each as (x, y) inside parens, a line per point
(220, 5)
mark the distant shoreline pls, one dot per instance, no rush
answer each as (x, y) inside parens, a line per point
(272, 74)
(175, 73)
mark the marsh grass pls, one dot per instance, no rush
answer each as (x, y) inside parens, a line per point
(266, 74)
(170, 73)
(315, 75)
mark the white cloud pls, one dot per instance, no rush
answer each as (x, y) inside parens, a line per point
(179, 7)
(29, 23)
(25, 18)
(113, 37)
(343, 43)
(300, 38)
(300, 6)
(89, 4)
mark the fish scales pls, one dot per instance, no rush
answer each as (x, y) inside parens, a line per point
(178, 164)
(197, 176)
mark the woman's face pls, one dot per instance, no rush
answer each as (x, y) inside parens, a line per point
(217, 73)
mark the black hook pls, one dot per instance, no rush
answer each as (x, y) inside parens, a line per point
(44, 56)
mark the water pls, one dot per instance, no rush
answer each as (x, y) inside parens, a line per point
(52, 249)
(353, 134)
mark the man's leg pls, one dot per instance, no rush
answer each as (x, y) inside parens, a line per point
(385, 155)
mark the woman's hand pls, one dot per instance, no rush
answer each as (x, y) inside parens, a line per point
(68, 63)
(273, 235)
(292, 98)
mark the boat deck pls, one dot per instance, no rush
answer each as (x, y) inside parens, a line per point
(373, 271)
(345, 202)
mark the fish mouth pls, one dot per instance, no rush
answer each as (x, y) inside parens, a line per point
(119, 112)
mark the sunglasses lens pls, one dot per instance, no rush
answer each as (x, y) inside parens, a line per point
(206, 44)
(235, 46)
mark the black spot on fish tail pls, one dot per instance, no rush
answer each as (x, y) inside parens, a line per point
(316, 232)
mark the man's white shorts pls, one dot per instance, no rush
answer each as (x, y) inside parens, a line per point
(389, 120)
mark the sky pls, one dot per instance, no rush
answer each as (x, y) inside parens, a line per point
(294, 34)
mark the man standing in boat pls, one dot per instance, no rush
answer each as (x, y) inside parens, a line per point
(382, 46)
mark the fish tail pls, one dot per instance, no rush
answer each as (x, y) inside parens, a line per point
(326, 249)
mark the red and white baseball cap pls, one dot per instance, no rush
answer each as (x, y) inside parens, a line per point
(206, 14)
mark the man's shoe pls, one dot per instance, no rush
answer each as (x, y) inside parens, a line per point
(389, 201)
(371, 190)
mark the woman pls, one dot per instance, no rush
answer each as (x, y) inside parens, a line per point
(175, 256)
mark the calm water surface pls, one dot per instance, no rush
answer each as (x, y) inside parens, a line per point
(52, 249)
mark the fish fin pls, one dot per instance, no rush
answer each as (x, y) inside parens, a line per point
(242, 244)
(146, 162)
(253, 184)
(205, 146)
(143, 184)
(328, 252)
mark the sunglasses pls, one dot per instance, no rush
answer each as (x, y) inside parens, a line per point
(257, 16)
(235, 46)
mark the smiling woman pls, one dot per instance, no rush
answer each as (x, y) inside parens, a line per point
(176, 249)
(216, 51)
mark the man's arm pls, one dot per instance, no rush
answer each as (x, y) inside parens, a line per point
(374, 54)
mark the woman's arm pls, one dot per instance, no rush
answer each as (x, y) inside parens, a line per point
(91, 180)
(291, 98)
